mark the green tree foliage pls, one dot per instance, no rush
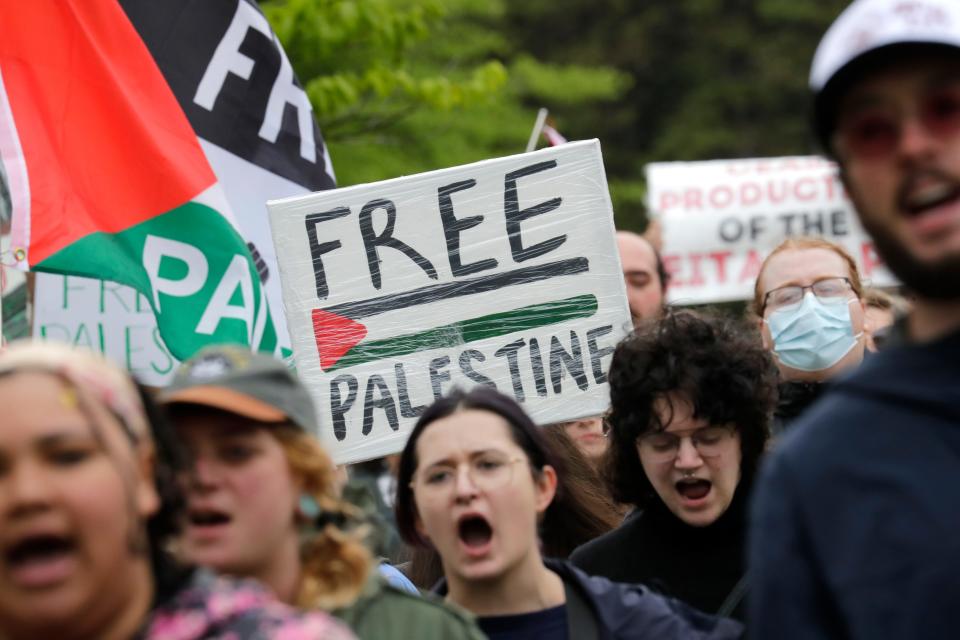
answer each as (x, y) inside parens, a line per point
(354, 60)
(403, 86)
(711, 78)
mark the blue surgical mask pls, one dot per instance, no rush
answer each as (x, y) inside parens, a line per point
(814, 335)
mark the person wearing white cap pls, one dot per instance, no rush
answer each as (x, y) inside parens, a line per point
(856, 522)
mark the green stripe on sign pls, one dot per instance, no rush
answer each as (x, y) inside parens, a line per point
(457, 333)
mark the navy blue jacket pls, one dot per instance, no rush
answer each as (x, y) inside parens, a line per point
(633, 612)
(855, 528)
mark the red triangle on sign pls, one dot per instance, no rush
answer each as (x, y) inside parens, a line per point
(335, 336)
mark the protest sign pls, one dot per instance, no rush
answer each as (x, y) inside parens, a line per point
(104, 316)
(503, 273)
(722, 217)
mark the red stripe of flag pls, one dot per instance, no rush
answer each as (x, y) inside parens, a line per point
(105, 142)
(553, 136)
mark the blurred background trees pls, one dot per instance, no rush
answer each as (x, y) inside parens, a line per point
(404, 86)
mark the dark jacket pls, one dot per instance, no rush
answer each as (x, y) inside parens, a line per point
(794, 399)
(856, 524)
(699, 565)
(630, 612)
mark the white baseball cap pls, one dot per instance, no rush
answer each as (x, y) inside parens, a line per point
(870, 26)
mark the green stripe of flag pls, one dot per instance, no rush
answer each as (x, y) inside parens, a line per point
(465, 331)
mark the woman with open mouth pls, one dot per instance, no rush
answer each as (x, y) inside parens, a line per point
(88, 503)
(691, 403)
(262, 501)
(475, 480)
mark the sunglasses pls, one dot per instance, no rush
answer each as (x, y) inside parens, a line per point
(874, 132)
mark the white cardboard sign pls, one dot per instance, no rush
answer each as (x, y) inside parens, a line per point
(503, 272)
(722, 217)
(106, 317)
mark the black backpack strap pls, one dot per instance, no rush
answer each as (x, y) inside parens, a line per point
(581, 621)
(734, 598)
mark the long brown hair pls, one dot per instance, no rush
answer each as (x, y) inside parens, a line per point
(335, 560)
(572, 517)
(588, 511)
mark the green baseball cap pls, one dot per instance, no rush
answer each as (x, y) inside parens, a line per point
(250, 384)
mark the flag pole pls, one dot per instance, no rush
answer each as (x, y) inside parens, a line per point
(537, 128)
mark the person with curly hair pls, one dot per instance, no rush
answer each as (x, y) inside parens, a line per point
(263, 502)
(89, 502)
(691, 402)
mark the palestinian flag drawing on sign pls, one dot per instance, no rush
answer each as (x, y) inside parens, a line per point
(340, 336)
(124, 136)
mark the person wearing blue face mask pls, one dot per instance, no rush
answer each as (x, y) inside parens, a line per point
(808, 298)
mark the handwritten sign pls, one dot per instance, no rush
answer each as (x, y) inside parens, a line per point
(501, 273)
(721, 218)
(106, 317)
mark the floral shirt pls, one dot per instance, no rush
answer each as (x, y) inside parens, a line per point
(211, 607)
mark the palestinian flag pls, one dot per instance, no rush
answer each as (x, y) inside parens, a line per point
(340, 334)
(553, 136)
(108, 178)
(254, 121)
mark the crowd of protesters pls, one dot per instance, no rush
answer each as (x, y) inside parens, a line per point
(791, 474)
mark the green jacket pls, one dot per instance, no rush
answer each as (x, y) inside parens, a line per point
(383, 612)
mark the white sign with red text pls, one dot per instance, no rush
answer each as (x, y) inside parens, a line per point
(722, 217)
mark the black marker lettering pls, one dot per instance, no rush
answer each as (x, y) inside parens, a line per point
(437, 376)
(572, 362)
(510, 351)
(317, 249)
(385, 402)
(406, 410)
(599, 375)
(536, 362)
(372, 240)
(448, 290)
(467, 368)
(339, 409)
(452, 227)
(515, 215)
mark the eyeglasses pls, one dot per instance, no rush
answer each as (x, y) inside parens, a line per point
(710, 442)
(874, 132)
(790, 296)
(487, 472)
